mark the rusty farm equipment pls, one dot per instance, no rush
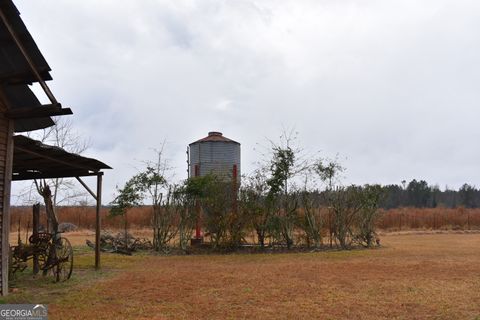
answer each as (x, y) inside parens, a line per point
(51, 254)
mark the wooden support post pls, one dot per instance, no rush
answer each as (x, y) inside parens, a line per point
(36, 225)
(6, 156)
(98, 221)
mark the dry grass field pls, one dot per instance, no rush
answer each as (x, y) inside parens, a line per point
(141, 217)
(413, 276)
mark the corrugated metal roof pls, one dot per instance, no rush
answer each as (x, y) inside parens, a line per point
(214, 136)
(34, 160)
(13, 66)
(16, 73)
(20, 96)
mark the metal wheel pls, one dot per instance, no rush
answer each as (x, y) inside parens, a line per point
(64, 259)
(42, 256)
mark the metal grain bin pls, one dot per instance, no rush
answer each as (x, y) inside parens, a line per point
(214, 154)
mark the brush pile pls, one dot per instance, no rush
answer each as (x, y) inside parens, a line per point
(121, 243)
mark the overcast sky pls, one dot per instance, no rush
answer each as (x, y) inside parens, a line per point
(391, 86)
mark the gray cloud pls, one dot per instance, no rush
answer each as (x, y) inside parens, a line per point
(389, 85)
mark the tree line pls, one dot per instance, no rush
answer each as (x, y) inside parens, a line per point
(418, 194)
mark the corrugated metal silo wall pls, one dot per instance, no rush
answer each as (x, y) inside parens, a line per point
(215, 157)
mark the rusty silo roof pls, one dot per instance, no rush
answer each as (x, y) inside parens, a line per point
(215, 136)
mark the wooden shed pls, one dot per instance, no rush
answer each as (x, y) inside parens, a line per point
(21, 64)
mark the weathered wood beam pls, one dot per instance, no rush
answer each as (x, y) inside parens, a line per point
(48, 110)
(22, 77)
(5, 203)
(98, 220)
(51, 175)
(86, 188)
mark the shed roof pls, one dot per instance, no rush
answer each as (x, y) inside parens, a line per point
(22, 63)
(34, 160)
(216, 137)
(13, 66)
(20, 96)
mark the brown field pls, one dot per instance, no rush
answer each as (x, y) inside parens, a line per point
(83, 217)
(429, 218)
(413, 276)
(391, 220)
